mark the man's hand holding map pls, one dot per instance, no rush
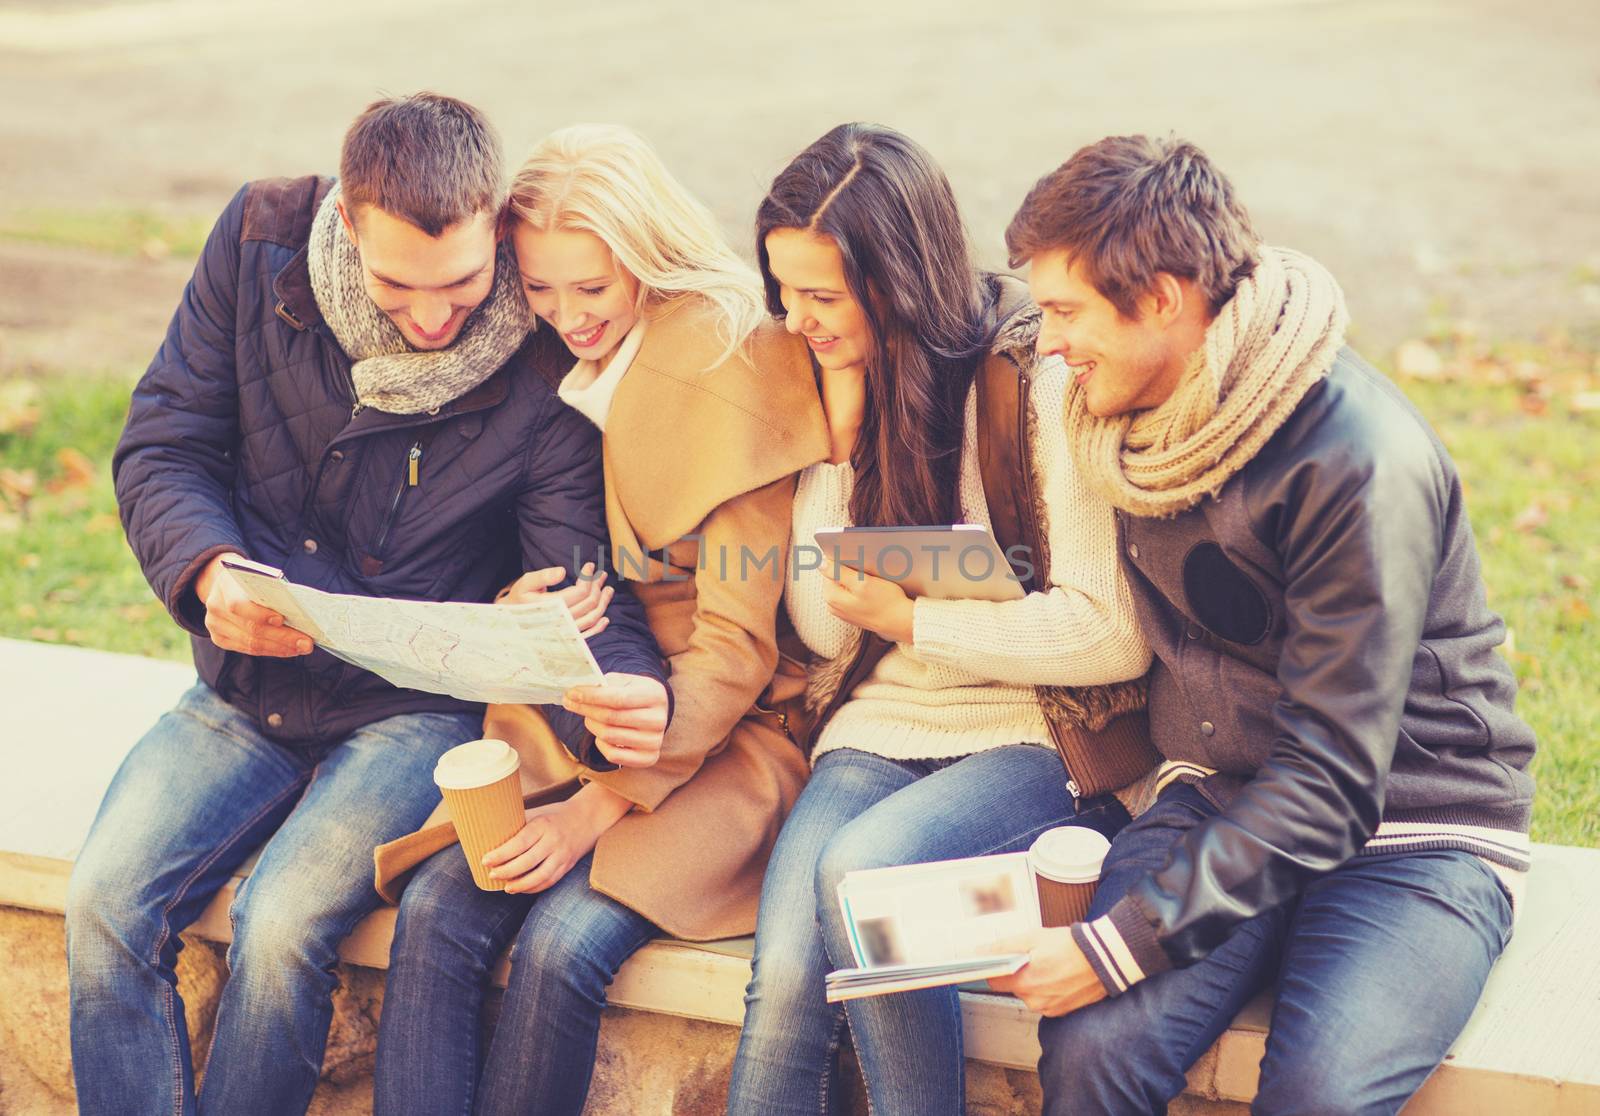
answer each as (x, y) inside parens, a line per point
(528, 652)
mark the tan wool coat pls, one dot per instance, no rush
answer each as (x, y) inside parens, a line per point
(701, 457)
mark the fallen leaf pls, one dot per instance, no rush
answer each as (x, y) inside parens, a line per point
(1527, 666)
(19, 485)
(19, 407)
(1575, 581)
(1536, 405)
(44, 635)
(77, 471)
(27, 612)
(1528, 371)
(29, 561)
(1577, 608)
(1419, 360)
(1531, 518)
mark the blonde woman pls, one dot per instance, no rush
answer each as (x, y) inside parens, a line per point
(708, 411)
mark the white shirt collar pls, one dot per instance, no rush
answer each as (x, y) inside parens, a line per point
(589, 388)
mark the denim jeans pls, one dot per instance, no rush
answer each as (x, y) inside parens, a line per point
(569, 941)
(194, 798)
(1378, 965)
(865, 811)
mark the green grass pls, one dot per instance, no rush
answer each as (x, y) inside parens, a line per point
(67, 576)
(1542, 568)
(122, 232)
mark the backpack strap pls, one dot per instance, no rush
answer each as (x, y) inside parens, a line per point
(1004, 465)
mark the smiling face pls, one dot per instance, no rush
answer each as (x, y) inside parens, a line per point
(427, 285)
(574, 282)
(1121, 364)
(809, 269)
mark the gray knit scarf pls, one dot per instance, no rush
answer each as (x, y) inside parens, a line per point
(1269, 345)
(389, 374)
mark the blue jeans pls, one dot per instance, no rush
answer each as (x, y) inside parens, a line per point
(1378, 964)
(569, 942)
(194, 798)
(864, 811)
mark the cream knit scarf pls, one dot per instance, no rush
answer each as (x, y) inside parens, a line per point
(389, 375)
(1273, 340)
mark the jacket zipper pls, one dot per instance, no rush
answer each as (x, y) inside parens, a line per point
(409, 479)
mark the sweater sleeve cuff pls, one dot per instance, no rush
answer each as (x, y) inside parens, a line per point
(1121, 947)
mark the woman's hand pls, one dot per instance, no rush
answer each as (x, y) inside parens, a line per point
(586, 599)
(554, 838)
(627, 713)
(874, 603)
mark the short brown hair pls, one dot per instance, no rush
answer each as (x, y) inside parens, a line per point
(427, 159)
(1129, 207)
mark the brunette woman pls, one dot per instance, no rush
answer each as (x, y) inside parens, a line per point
(942, 747)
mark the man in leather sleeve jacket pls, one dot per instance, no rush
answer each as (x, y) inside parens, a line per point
(1344, 806)
(348, 391)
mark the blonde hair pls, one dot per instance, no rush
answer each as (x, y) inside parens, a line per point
(605, 180)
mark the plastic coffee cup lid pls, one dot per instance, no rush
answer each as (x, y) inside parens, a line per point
(477, 763)
(1069, 854)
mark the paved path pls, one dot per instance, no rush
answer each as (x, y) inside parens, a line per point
(1440, 155)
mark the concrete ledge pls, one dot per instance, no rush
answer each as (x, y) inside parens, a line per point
(1533, 1044)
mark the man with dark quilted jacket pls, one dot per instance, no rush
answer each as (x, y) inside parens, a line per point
(348, 391)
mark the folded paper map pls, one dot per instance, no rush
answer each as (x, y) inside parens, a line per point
(476, 652)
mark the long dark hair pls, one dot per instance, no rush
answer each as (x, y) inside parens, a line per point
(884, 201)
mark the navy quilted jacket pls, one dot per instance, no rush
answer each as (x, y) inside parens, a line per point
(244, 435)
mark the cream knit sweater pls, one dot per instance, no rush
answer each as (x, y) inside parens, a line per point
(966, 681)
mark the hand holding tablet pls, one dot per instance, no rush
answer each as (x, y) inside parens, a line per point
(959, 562)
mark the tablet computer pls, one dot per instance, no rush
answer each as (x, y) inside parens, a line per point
(960, 562)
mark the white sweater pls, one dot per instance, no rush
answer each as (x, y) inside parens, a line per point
(966, 681)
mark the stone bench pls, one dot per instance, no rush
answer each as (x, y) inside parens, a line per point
(1533, 1045)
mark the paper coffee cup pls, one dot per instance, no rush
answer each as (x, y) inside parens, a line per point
(1066, 867)
(483, 795)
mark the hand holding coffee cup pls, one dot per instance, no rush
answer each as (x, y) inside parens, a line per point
(482, 789)
(1066, 864)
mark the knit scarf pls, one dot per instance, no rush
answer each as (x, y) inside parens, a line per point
(1269, 345)
(389, 374)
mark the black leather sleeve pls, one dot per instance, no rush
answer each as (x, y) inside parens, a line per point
(1357, 515)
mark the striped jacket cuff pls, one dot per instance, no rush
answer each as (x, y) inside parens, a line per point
(1121, 947)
